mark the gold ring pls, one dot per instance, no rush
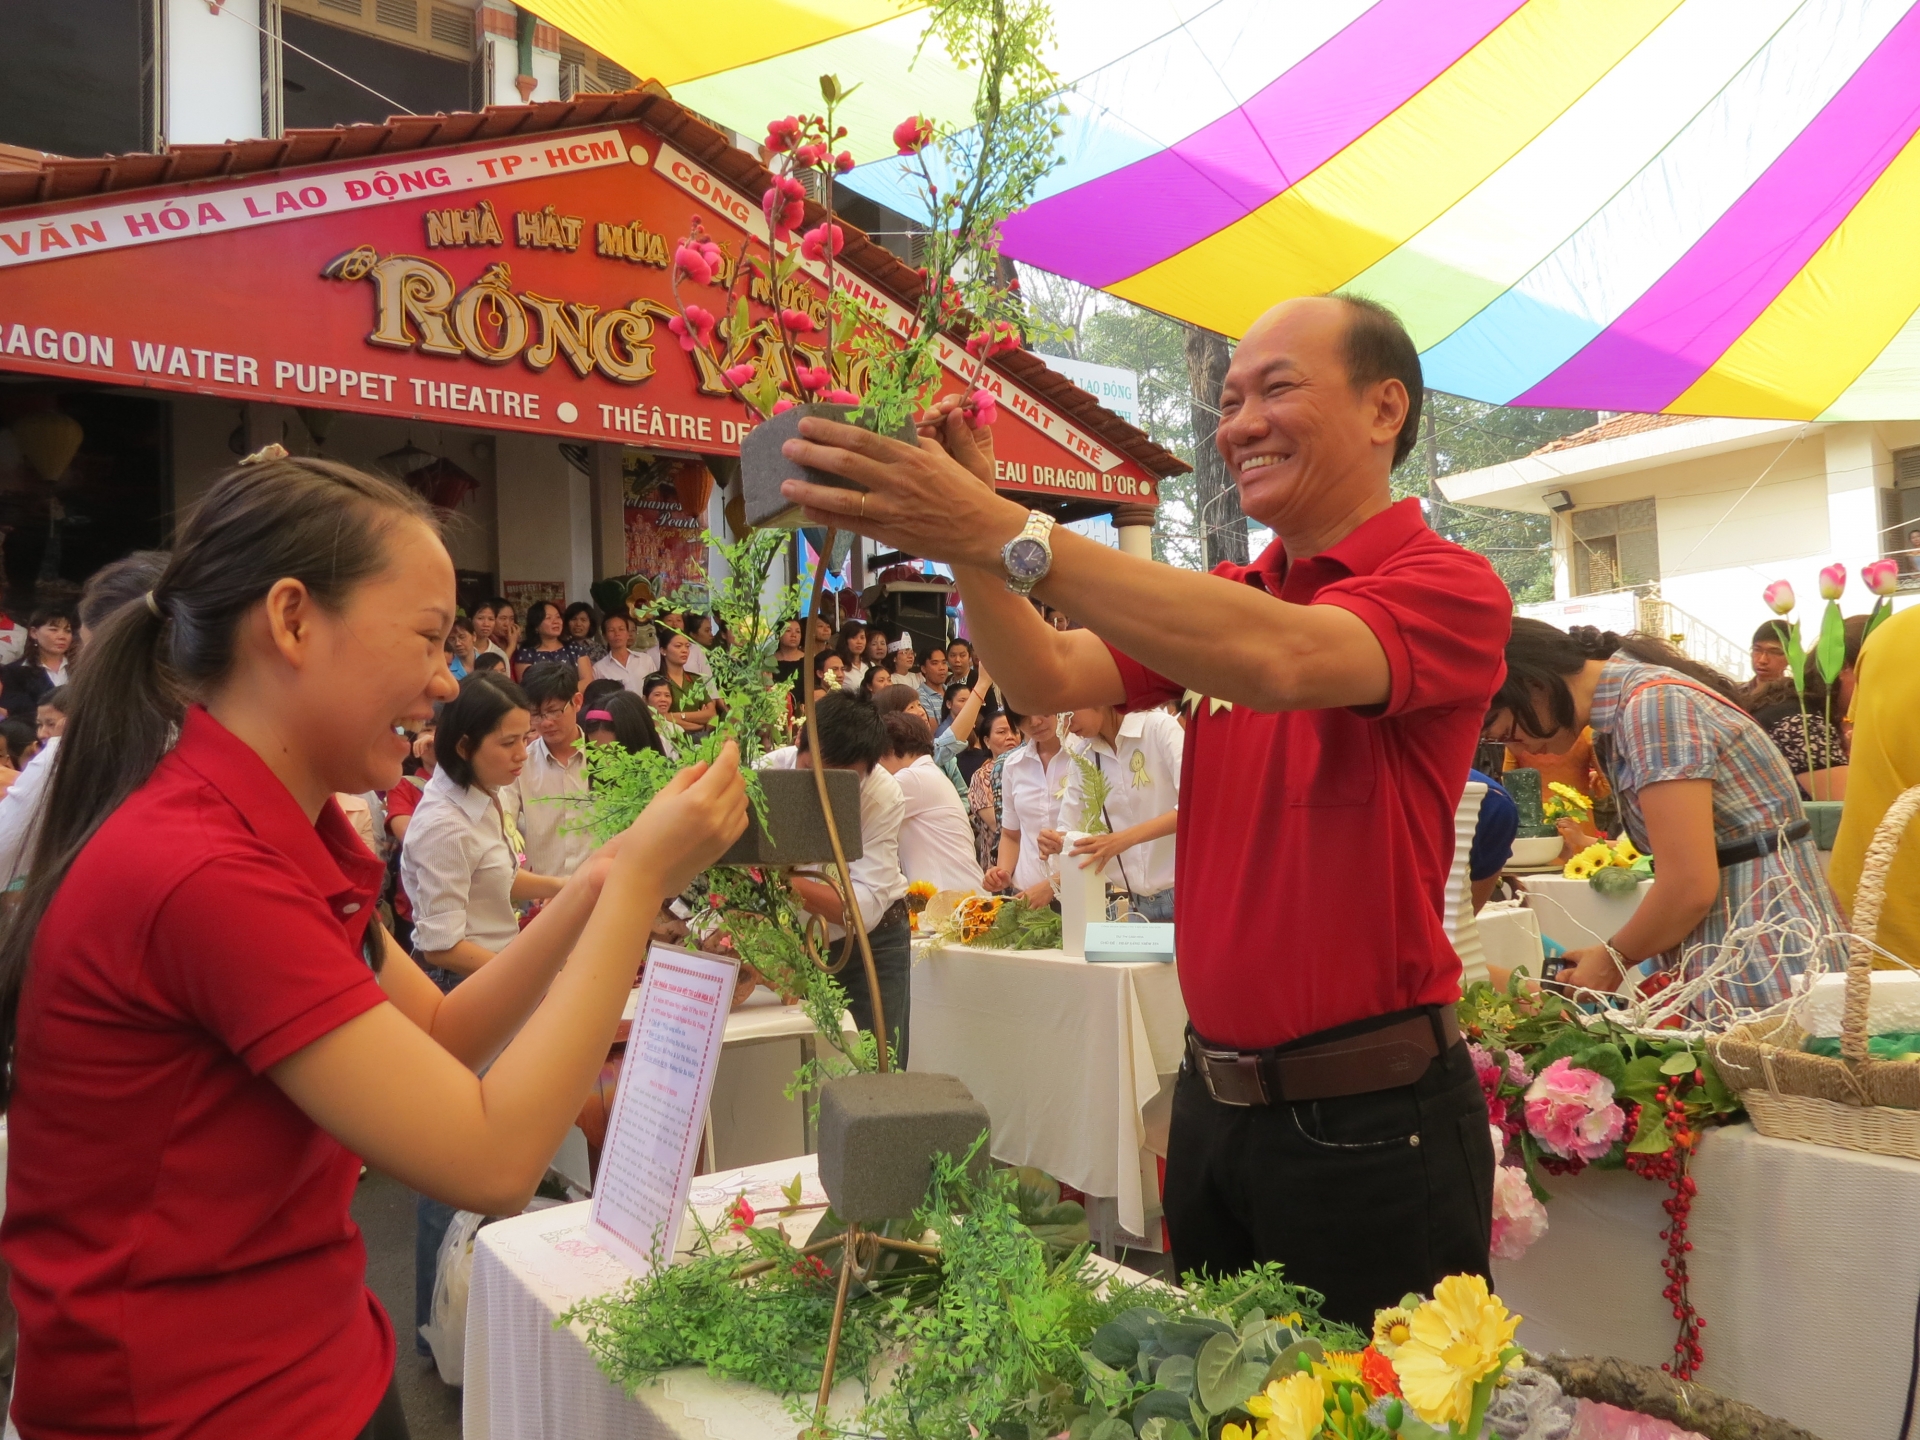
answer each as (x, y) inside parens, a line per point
(863, 504)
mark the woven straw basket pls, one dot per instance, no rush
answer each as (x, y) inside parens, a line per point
(1855, 1102)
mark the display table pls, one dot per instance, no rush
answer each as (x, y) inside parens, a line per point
(1804, 1267)
(526, 1380)
(1574, 913)
(1509, 939)
(1074, 1061)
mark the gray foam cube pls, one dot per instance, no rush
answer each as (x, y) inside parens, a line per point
(879, 1134)
(796, 832)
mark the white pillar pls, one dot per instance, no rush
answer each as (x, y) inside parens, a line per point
(1859, 467)
(544, 512)
(608, 501)
(1135, 526)
(211, 85)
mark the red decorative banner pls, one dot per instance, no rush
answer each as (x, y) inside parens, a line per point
(520, 286)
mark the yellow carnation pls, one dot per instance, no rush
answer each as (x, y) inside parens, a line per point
(1294, 1408)
(1457, 1340)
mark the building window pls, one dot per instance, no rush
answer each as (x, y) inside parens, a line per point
(1900, 517)
(1614, 547)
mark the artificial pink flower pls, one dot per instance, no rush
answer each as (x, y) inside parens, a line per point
(911, 135)
(813, 244)
(740, 1214)
(1882, 577)
(740, 376)
(716, 257)
(1000, 335)
(813, 377)
(1571, 1113)
(693, 263)
(797, 321)
(841, 397)
(785, 206)
(811, 154)
(1519, 1218)
(782, 405)
(782, 133)
(1778, 597)
(1833, 580)
(983, 408)
(695, 329)
(843, 162)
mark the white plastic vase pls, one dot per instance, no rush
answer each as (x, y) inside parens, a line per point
(1083, 897)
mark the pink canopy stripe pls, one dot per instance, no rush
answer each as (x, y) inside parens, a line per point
(1161, 205)
(1673, 333)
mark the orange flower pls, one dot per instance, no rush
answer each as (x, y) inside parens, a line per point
(1377, 1371)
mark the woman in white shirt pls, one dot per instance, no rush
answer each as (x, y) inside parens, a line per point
(459, 861)
(851, 647)
(936, 837)
(42, 669)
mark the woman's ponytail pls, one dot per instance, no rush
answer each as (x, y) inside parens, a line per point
(1541, 657)
(267, 520)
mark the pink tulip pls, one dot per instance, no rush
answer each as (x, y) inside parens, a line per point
(1882, 577)
(1833, 580)
(841, 397)
(813, 244)
(911, 135)
(1778, 597)
(693, 264)
(1571, 1112)
(740, 376)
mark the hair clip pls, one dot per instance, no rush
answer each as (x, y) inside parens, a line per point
(275, 451)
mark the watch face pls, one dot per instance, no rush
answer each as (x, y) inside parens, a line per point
(1027, 558)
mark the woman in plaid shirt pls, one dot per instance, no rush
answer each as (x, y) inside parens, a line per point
(1701, 788)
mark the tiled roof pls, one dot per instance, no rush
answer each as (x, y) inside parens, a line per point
(30, 178)
(1612, 428)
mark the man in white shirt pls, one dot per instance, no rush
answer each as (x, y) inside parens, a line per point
(542, 802)
(1031, 781)
(1139, 757)
(622, 662)
(936, 837)
(852, 737)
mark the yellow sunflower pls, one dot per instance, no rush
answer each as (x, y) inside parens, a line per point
(1568, 793)
(1457, 1340)
(1392, 1328)
(1294, 1408)
(1340, 1365)
(1231, 1431)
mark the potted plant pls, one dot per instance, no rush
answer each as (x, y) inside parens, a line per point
(785, 352)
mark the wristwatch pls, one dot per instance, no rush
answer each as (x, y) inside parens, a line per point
(1029, 555)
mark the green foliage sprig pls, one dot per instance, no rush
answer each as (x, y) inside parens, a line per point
(1094, 794)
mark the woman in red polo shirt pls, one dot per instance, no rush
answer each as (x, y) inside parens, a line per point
(205, 1033)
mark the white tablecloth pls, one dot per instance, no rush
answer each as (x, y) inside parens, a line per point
(1070, 1058)
(1804, 1266)
(526, 1380)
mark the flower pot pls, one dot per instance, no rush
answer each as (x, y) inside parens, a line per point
(796, 832)
(1824, 816)
(763, 468)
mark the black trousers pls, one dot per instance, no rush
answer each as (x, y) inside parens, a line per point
(892, 942)
(1364, 1198)
(387, 1422)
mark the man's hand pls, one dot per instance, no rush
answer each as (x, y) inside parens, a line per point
(921, 501)
(1098, 849)
(1051, 842)
(947, 427)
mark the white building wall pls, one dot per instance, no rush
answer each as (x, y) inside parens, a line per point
(541, 537)
(212, 91)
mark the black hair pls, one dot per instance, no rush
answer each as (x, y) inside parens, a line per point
(549, 680)
(1540, 657)
(486, 663)
(622, 616)
(580, 607)
(597, 692)
(891, 699)
(958, 687)
(321, 523)
(820, 659)
(1771, 632)
(462, 623)
(1014, 719)
(908, 735)
(1854, 628)
(851, 731)
(653, 682)
(58, 698)
(120, 583)
(470, 717)
(18, 737)
(1377, 347)
(530, 627)
(632, 722)
(480, 605)
(46, 615)
(878, 676)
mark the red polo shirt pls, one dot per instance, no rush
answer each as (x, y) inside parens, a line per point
(1314, 845)
(183, 1262)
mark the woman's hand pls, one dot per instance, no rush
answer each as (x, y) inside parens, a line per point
(1039, 896)
(1589, 968)
(690, 824)
(1050, 843)
(996, 879)
(1098, 849)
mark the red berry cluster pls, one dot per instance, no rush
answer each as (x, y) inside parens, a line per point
(1671, 1166)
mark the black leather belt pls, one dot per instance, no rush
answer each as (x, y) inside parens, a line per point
(1396, 1051)
(1762, 846)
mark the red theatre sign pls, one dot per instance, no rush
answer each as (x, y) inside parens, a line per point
(518, 285)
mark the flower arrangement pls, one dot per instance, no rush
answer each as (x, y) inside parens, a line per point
(1613, 867)
(1000, 922)
(1010, 1331)
(1829, 652)
(1565, 1090)
(1566, 803)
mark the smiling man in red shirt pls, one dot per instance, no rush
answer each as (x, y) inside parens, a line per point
(1327, 1116)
